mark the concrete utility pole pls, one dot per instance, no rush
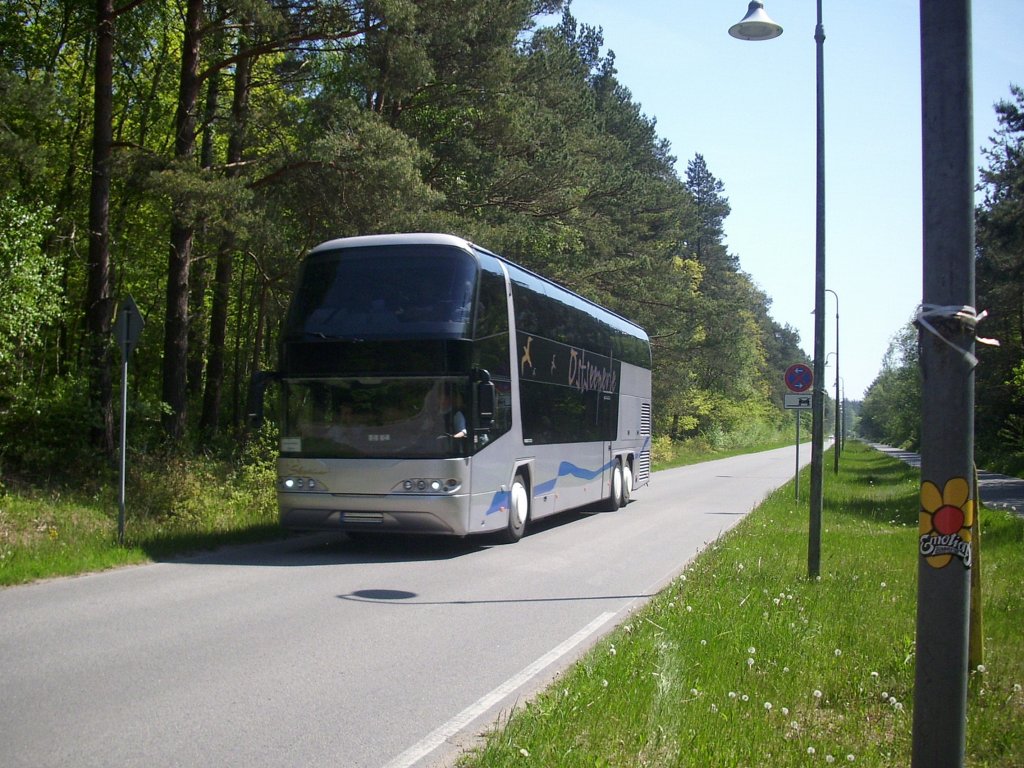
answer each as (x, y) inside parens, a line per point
(946, 321)
(837, 446)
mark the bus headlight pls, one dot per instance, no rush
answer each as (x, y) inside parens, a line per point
(300, 484)
(428, 485)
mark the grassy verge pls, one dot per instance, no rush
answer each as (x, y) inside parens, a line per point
(174, 505)
(667, 453)
(743, 661)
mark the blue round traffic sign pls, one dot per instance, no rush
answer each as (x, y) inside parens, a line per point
(799, 377)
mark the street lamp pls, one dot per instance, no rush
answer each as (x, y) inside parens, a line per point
(756, 25)
(838, 444)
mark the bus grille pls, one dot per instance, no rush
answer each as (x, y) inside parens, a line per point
(363, 517)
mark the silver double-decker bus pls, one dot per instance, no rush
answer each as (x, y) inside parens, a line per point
(432, 386)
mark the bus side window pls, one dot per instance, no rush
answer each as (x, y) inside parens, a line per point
(491, 333)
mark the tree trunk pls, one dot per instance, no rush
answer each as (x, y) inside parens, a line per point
(179, 259)
(212, 396)
(98, 301)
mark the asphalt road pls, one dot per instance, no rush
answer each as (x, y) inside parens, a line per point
(996, 491)
(321, 651)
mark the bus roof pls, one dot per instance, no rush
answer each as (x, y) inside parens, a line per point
(412, 238)
(434, 238)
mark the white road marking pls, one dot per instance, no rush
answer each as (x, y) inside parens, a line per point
(433, 740)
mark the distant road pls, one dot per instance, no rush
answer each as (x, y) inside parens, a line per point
(997, 491)
(318, 651)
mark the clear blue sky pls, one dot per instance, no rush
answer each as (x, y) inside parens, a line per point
(749, 109)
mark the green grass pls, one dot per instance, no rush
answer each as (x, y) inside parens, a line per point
(173, 506)
(744, 661)
(667, 453)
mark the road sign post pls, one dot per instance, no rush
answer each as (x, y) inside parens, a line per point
(127, 329)
(799, 378)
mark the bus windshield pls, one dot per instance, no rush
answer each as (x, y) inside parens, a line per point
(375, 418)
(392, 292)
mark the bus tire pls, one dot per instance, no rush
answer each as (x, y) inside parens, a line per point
(518, 511)
(614, 500)
(627, 483)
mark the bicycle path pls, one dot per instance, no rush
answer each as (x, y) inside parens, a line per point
(996, 491)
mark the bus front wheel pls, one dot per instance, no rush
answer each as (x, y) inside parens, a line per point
(614, 500)
(518, 511)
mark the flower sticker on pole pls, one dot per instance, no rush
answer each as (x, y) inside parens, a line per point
(946, 518)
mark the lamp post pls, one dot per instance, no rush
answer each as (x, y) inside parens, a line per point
(756, 25)
(837, 446)
(843, 423)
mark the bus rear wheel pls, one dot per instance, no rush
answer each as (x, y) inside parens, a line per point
(627, 483)
(518, 511)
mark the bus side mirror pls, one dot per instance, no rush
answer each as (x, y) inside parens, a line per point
(484, 402)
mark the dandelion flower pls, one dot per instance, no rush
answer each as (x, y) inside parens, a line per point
(829, 759)
(817, 694)
(750, 662)
(768, 706)
(751, 650)
(981, 669)
(785, 711)
(838, 652)
(850, 758)
(604, 683)
(810, 750)
(1016, 688)
(745, 697)
(524, 752)
(732, 694)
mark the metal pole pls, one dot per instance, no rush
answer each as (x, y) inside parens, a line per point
(818, 399)
(946, 324)
(844, 415)
(837, 445)
(124, 444)
(797, 472)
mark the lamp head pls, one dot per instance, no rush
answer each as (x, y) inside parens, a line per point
(756, 25)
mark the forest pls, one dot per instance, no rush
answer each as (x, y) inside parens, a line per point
(187, 153)
(892, 404)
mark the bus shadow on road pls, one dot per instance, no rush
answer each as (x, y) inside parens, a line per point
(359, 547)
(327, 549)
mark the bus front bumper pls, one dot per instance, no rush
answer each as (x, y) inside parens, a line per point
(414, 514)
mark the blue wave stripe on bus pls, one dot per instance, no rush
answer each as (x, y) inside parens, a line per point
(501, 501)
(566, 469)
